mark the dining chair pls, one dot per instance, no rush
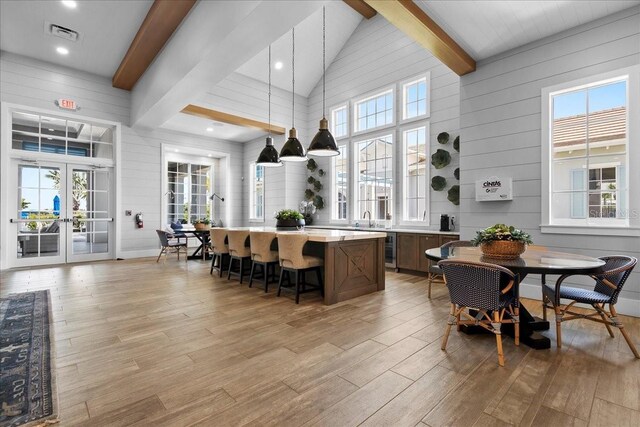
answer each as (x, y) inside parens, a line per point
(435, 273)
(293, 262)
(489, 289)
(238, 251)
(263, 256)
(220, 249)
(608, 285)
(168, 242)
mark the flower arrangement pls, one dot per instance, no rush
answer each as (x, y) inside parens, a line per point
(307, 209)
(502, 241)
(201, 223)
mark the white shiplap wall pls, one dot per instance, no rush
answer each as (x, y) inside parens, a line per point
(37, 84)
(500, 122)
(379, 55)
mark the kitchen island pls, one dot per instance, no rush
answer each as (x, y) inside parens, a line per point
(353, 260)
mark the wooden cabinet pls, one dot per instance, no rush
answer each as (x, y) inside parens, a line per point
(407, 251)
(445, 238)
(426, 241)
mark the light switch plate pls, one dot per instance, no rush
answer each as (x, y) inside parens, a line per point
(127, 213)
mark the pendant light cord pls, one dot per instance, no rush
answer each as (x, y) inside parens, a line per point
(293, 76)
(324, 69)
(269, 90)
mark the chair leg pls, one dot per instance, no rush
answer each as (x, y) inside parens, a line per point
(280, 281)
(220, 264)
(265, 273)
(241, 269)
(544, 308)
(297, 279)
(253, 269)
(600, 310)
(429, 281)
(558, 326)
(213, 263)
(516, 326)
(160, 254)
(623, 331)
(496, 331)
(229, 270)
(450, 322)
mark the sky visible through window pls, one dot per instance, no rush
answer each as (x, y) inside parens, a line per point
(600, 98)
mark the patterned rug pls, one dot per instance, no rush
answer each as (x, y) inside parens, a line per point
(27, 385)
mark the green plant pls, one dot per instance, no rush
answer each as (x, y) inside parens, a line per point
(38, 219)
(311, 180)
(309, 194)
(456, 143)
(205, 221)
(286, 214)
(319, 202)
(443, 137)
(440, 158)
(453, 195)
(501, 232)
(312, 165)
(456, 173)
(24, 204)
(438, 183)
(321, 172)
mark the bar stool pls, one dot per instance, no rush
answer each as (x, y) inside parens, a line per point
(262, 256)
(220, 249)
(292, 260)
(238, 251)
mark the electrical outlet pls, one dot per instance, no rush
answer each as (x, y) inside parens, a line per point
(127, 213)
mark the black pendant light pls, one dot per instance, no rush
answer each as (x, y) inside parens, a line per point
(269, 155)
(323, 144)
(292, 151)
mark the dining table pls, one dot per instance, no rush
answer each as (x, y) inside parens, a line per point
(203, 238)
(535, 260)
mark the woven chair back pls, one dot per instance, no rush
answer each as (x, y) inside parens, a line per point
(261, 246)
(290, 250)
(218, 236)
(164, 238)
(615, 271)
(476, 285)
(237, 243)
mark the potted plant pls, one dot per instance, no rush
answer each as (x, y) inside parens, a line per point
(307, 209)
(289, 218)
(502, 241)
(202, 223)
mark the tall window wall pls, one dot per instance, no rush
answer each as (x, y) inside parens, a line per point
(256, 192)
(188, 190)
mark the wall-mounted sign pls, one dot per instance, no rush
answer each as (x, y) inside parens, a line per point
(67, 104)
(493, 189)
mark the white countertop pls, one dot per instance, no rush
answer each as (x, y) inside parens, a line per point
(321, 235)
(389, 230)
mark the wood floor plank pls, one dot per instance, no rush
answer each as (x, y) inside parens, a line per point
(605, 414)
(551, 418)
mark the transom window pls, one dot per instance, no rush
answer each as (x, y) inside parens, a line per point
(374, 112)
(415, 173)
(414, 99)
(256, 192)
(374, 176)
(339, 122)
(589, 155)
(340, 184)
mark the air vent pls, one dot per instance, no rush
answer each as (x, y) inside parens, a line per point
(61, 32)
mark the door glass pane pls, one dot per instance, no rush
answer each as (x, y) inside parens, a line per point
(89, 190)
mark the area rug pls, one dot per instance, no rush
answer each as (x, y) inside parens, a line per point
(27, 384)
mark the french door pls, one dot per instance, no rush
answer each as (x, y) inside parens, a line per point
(62, 213)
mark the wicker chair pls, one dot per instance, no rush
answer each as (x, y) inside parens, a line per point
(487, 288)
(435, 273)
(608, 285)
(294, 262)
(238, 251)
(169, 243)
(220, 249)
(262, 256)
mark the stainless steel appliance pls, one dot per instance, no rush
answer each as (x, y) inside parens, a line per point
(390, 250)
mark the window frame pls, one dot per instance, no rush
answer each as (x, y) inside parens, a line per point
(631, 227)
(402, 99)
(253, 168)
(414, 125)
(190, 159)
(366, 97)
(346, 106)
(334, 196)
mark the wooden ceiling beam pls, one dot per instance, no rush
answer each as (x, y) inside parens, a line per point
(219, 116)
(414, 22)
(161, 21)
(362, 8)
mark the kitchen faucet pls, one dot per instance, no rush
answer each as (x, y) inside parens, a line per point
(365, 215)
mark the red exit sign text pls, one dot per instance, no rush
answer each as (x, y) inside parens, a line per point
(67, 104)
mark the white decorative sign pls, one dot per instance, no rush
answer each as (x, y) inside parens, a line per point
(494, 189)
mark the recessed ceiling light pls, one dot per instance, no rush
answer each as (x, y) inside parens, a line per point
(209, 129)
(209, 154)
(176, 150)
(71, 4)
(62, 50)
(278, 65)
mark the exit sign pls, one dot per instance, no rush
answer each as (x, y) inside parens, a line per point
(67, 104)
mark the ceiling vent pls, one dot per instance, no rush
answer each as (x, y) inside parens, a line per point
(62, 32)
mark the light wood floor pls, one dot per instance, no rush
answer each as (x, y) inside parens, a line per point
(168, 344)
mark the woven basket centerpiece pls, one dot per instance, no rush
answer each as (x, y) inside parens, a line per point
(502, 241)
(504, 249)
(200, 226)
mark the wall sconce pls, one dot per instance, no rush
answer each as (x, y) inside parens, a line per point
(214, 195)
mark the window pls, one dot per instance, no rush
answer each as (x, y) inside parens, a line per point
(340, 184)
(415, 173)
(188, 191)
(339, 122)
(374, 112)
(414, 99)
(589, 154)
(53, 135)
(374, 177)
(256, 193)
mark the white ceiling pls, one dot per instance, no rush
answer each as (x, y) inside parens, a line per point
(484, 28)
(341, 22)
(106, 29)
(198, 126)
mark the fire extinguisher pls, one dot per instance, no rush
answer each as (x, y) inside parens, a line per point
(139, 222)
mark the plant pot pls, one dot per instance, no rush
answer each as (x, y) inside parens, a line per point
(200, 226)
(503, 249)
(293, 224)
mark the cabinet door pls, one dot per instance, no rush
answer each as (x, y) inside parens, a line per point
(407, 251)
(426, 241)
(446, 238)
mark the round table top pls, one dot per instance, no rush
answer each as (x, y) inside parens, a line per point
(536, 260)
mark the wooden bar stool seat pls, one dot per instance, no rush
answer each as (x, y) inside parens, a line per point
(238, 251)
(264, 256)
(220, 249)
(294, 262)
